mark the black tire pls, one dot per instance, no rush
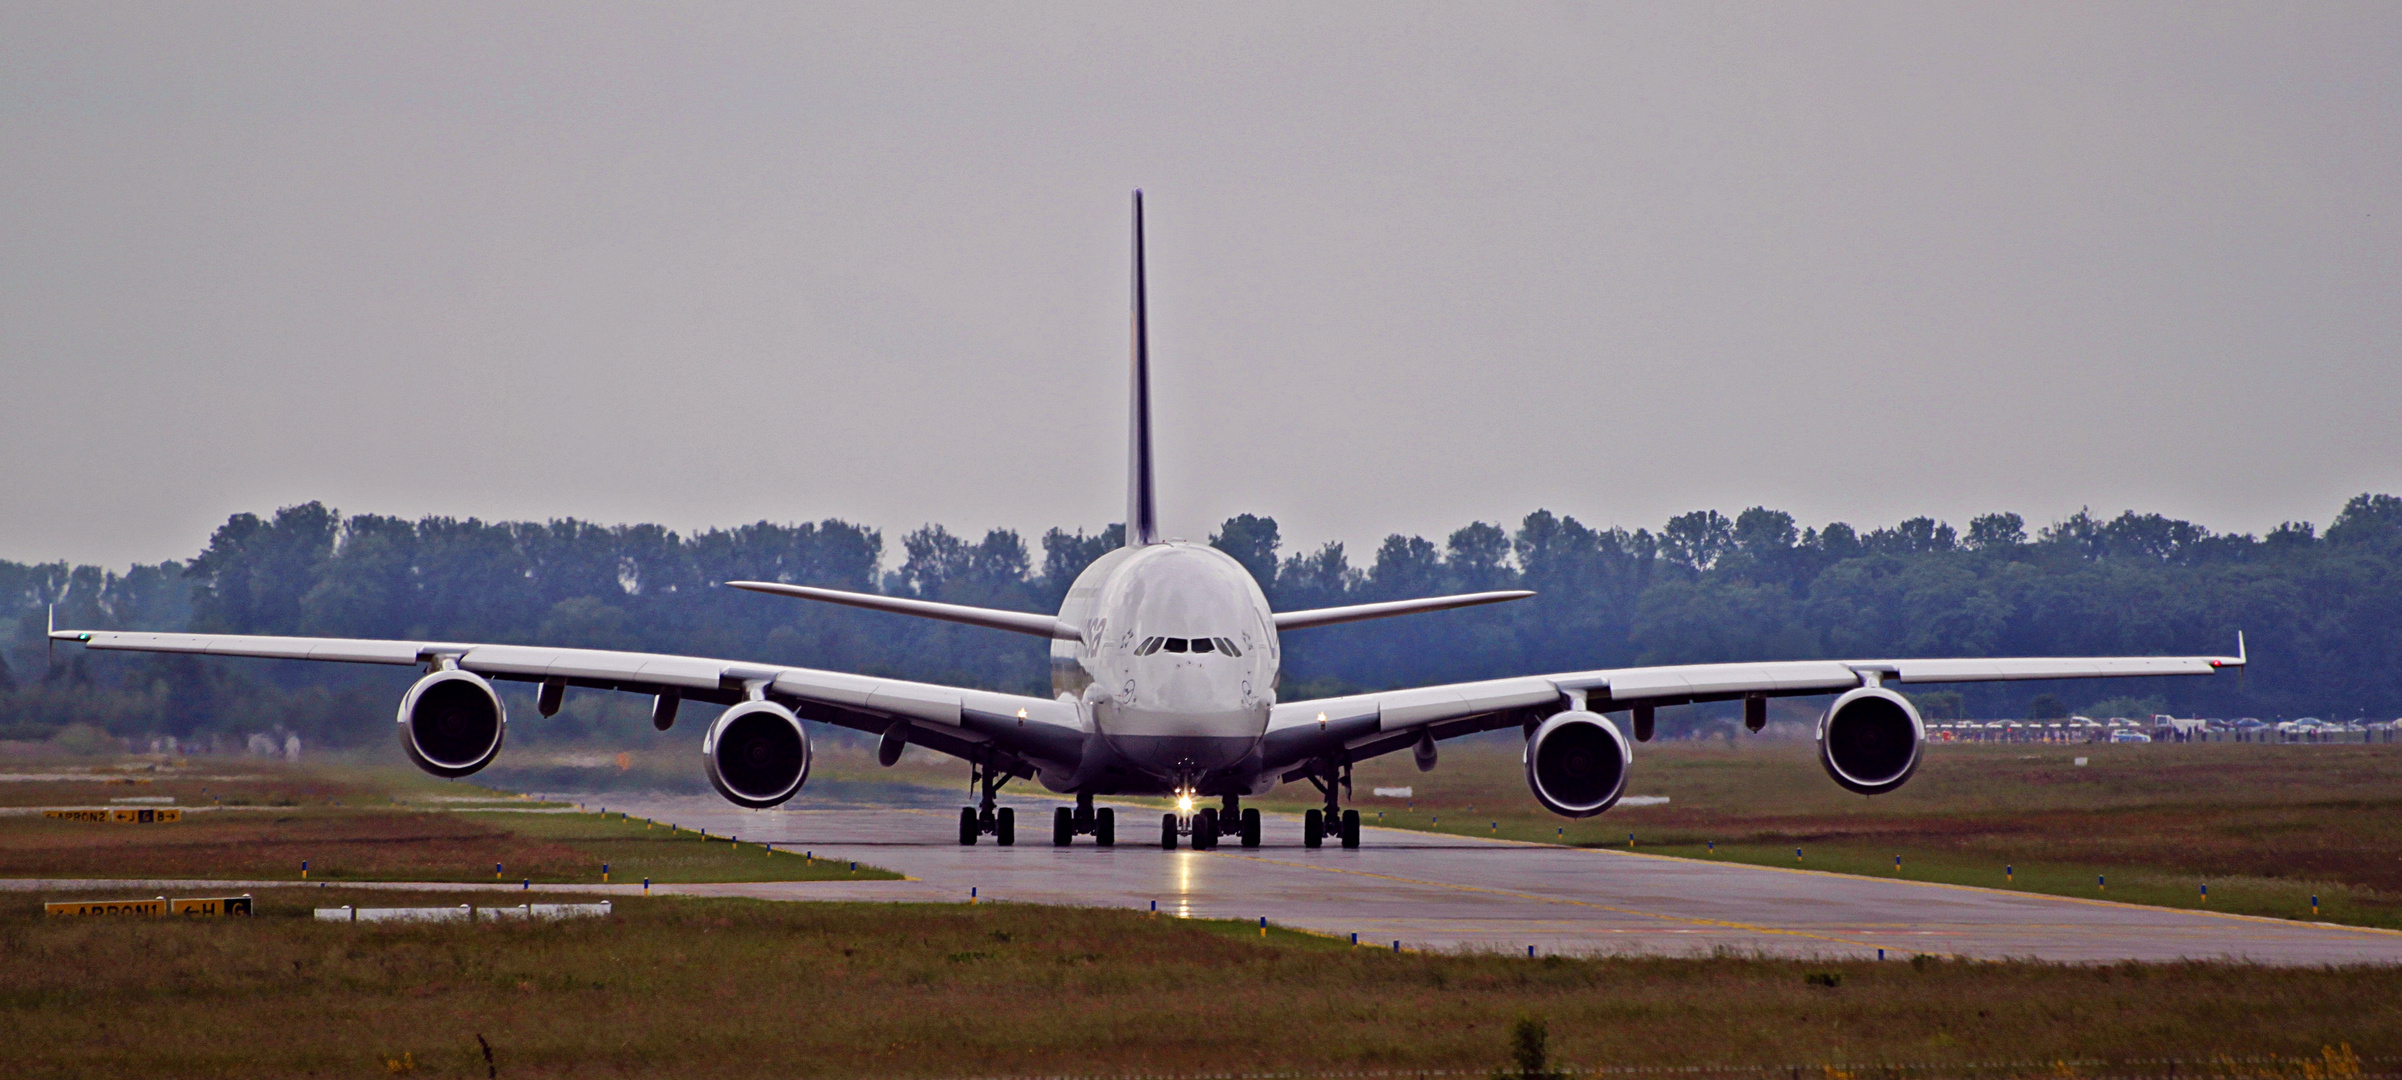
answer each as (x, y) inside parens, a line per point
(1250, 828)
(1205, 829)
(1063, 827)
(1351, 829)
(1167, 832)
(967, 826)
(1105, 827)
(1313, 828)
(1005, 827)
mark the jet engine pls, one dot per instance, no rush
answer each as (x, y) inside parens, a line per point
(757, 755)
(1576, 762)
(451, 723)
(1869, 740)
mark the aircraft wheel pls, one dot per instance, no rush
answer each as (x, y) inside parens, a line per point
(1250, 828)
(967, 826)
(1351, 829)
(1313, 828)
(1167, 832)
(1105, 827)
(1205, 830)
(1063, 827)
(1005, 827)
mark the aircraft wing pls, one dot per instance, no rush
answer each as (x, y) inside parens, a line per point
(957, 721)
(1363, 726)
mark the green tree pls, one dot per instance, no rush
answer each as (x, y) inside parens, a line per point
(1251, 541)
(2367, 519)
(1996, 532)
(1476, 557)
(1695, 541)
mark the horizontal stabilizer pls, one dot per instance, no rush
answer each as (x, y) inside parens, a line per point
(1023, 622)
(1300, 620)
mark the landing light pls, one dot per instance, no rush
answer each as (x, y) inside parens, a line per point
(1184, 804)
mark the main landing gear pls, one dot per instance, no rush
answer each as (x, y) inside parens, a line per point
(1317, 825)
(1067, 825)
(986, 818)
(1209, 825)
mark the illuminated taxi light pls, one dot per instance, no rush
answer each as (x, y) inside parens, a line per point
(1184, 804)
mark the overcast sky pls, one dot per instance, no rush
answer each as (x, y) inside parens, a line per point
(1411, 266)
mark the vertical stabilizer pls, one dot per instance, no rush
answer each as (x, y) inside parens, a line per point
(1142, 511)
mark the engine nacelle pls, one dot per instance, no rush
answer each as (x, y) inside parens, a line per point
(1576, 762)
(451, 723)
(1870, 739)
(757, 755)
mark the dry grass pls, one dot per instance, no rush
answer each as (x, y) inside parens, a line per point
(735, 988)
(264, 820)
(206, 782)
(374, 845)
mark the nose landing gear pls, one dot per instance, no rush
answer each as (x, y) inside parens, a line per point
(1208, 825)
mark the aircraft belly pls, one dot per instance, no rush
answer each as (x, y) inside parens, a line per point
(1183, 753)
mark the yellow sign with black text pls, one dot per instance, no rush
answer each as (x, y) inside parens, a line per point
(124, 815)
(202, 906)
(156, 906)
(211, 905)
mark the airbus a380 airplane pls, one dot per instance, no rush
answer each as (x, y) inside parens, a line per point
(1164, 663)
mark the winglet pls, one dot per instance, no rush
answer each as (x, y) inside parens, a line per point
(50, 640)
(1142, 510)
(2239, 648)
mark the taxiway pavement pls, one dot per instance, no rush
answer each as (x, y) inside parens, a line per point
(1430, 891)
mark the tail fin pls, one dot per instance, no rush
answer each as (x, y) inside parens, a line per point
(1142, 511)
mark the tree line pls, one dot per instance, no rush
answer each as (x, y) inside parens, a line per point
(2322, 610)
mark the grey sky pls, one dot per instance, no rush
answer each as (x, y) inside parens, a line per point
(1412, 266)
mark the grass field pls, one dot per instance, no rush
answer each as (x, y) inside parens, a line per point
(736, 988)
(706, 988)
(261, 822)
(2266, 827)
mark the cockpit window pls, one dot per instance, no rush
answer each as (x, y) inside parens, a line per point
(1187, 645)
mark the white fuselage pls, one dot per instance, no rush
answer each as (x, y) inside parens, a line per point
(1178, 664)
